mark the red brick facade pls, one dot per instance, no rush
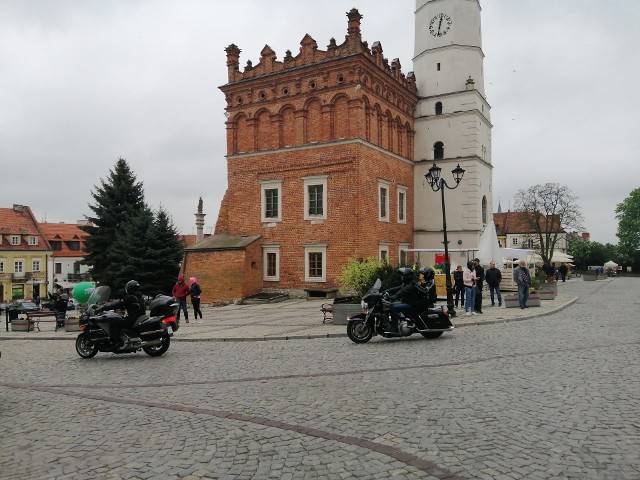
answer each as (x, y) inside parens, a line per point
(340, 118)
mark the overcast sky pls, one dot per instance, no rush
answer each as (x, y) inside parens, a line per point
(84, 82)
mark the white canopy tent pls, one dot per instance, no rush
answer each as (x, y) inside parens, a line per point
(611, 265)
(560, 257)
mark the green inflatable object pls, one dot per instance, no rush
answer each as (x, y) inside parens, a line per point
(82, 291)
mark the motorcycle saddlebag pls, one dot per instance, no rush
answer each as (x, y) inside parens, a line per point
(435, 318)
(150, 328)
(163, 306)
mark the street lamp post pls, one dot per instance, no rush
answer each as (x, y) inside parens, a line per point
(437, 183)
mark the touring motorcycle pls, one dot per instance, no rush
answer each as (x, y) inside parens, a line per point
(376, 319)
(151, 333)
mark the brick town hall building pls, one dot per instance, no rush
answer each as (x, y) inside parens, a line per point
(327, 152)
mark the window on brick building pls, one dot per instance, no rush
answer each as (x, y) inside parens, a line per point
(402, 205)
(383, 201)
(383, 252)
(315, 198)
(403, 255)
(271, 261)
(315, 263)
(271, 193)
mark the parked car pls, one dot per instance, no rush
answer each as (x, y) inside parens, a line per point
(4, 306)
(24, 307)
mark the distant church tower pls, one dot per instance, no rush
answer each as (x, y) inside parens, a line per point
(452, 123)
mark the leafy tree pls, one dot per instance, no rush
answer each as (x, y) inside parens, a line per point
(628, 215)
(550, 210)
(117, 199)
(358, 276)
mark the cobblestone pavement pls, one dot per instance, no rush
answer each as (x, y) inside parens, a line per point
(556, 396)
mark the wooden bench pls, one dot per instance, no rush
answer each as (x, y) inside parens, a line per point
(35, 317)
(321, 292)
(327, 311)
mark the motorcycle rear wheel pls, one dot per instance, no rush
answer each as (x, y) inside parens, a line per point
(359, 332)
(158, 350)
(85, 347)
(431, 334)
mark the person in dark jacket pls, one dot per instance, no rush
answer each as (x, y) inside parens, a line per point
(406, 298)
(493, 276)
(458, 286)
(479, 285)
(180, 292)
(132, 302)
(194, 292)
(563, 269)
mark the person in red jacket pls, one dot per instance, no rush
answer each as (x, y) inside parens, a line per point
(180, 292)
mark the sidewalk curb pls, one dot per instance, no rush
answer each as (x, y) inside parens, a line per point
(529, 316)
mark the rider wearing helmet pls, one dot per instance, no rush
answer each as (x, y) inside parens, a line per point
(132, 302)
(428, 284)
(406, 298)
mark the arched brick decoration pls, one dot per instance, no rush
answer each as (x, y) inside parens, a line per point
(313, 121)
(288, 125)
(264, 135)
(341, 117)
(244, 134)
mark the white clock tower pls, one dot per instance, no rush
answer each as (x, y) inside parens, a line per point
(452, 124)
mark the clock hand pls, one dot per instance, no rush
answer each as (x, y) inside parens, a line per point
(439, 24)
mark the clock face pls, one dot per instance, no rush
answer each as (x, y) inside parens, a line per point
(440, 25)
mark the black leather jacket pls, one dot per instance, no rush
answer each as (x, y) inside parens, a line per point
(133, 304)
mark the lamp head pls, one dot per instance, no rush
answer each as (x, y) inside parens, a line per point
(458, 173)
(433, 177)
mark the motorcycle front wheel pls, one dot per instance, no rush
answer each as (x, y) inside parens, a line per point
(158, 350)
(85, 347)
(359, 331)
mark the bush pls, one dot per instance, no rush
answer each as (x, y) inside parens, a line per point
(358, 276)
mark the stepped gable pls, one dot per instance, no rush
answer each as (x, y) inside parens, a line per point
(310, 55)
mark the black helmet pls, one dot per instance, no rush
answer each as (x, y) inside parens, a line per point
(406, 274)
(132, 287)
(427, 273)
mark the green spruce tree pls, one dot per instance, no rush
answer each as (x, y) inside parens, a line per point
(169, 250)
(117, 199)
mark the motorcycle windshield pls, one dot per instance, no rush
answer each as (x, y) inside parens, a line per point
(376, 286)
(99, 295)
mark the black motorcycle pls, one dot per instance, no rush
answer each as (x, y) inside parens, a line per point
(376, 319)
(151, 333)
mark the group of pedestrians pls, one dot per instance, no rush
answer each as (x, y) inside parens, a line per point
(469, 284)
(182, 290)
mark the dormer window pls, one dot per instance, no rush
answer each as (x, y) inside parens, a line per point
(33, 240)
(15, 240)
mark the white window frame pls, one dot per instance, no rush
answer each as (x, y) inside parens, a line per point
(33, 240)
(270, 185)
(514, 241)
(35, 265)
(312, 181)
(383, 184)
(18, 266)
(2, 266)
(322, 249)
(265, 273)
(383, 252)
(15, 239)
(403, 248)
(402, 206)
